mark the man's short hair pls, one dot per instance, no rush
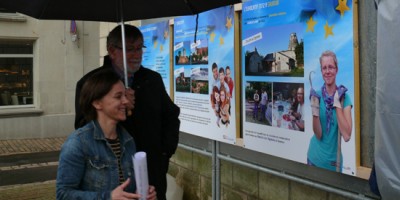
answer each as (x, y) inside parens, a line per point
(214, 66)
(115, 37)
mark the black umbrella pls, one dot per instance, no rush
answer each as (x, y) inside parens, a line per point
(111, 10)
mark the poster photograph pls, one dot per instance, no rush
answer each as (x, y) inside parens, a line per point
(203, 74)
(298, 81)
(156, 52)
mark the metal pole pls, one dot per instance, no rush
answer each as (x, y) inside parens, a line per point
(123, 45)
(213, 165)
(124, 54)
(279, 174)
(218, 173)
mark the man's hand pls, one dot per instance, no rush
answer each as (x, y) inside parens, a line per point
(130, 95)
(152, 193)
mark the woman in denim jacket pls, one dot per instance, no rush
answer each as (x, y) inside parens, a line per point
(96, 160)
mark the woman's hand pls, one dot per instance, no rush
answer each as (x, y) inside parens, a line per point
(339, 96)
(336, 100)
(314, 98)
(315, 106)
(119, 193)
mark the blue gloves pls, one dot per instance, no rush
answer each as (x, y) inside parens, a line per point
(314, 98)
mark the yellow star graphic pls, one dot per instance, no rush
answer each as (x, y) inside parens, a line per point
(161, 47)
(328, 30)
(221, 40)
(155, 44)
(165, 34)
(212, 36)
(228, 23)
(310, 25)
(342, 6)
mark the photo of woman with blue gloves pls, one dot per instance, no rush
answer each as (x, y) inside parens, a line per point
(331, 117)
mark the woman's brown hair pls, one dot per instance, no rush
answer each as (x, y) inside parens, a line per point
(95, 88)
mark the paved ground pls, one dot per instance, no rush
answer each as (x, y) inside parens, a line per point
(34, 162)
(37, 191)
(9, 147)
(28, 156)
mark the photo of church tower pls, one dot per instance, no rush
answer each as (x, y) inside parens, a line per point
(285, 62)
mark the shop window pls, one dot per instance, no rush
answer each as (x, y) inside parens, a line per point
(16, 73)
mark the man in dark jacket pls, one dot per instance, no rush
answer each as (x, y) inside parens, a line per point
(154, 121)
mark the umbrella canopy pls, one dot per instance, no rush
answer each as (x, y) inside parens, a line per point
(110, 10)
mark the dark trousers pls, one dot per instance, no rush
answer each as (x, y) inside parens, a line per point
(255, 110)
(158, 175)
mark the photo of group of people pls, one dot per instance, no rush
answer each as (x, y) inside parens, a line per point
(258, 102)
(203, 69)
(275, 104)
(221, 94)
(288, 106)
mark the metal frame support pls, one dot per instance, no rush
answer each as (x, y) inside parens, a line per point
(216, 173)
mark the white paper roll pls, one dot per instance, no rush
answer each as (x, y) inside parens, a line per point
(141, 176)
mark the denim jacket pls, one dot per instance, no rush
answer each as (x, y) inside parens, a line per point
(88, 168)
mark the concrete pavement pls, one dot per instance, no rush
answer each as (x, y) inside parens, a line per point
(28, 168)
(9, 147)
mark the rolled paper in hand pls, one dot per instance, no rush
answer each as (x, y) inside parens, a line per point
(141, 176)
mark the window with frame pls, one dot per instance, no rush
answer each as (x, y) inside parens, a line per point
(11, 16)
(16, 73)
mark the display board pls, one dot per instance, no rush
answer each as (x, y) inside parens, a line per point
(282, 42)
(203, 72)
(156, 52)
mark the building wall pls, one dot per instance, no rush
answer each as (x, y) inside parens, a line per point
(58, 64)
(193, 172)
(255, 62)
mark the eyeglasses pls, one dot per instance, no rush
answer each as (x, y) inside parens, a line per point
(131, 49)
(328, 68)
